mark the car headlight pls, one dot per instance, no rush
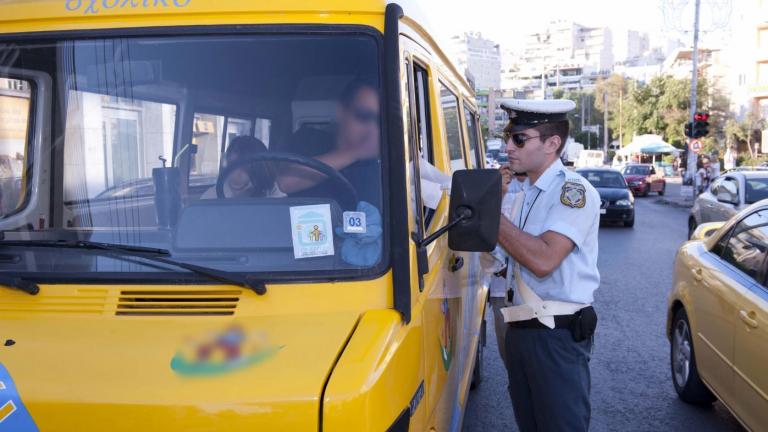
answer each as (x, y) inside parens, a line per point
(624, 203)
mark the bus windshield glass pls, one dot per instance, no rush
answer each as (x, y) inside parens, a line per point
(220, 150)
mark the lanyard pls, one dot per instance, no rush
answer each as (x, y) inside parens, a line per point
(523, 222)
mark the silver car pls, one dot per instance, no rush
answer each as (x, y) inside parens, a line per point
(727, 195)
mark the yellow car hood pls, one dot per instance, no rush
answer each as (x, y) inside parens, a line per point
(76, 371)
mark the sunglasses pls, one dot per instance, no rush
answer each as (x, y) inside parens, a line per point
(363, 115)
(519, 139)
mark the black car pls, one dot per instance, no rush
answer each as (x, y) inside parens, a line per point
(617, 204)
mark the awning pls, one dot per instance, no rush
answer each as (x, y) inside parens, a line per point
(651, 144)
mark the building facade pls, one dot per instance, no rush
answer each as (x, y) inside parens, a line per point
(480, 56)
(563, 55)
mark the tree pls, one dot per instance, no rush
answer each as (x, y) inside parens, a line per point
(585, 103)
(662, 107)
(743, 132)
(615, 87)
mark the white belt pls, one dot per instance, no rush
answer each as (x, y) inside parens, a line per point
(533, 306)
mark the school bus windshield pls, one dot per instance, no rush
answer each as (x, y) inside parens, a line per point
(220, 148)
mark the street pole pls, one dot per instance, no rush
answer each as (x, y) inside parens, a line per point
(694, 84)
(491, 112)
(605, 127)
(621, 118)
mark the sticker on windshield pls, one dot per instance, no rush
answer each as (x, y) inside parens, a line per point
(311, 231)
(354, 222)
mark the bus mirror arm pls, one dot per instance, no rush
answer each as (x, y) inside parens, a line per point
(463, 213)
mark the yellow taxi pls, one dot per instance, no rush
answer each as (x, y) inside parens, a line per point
(229, 215)
(718, 316)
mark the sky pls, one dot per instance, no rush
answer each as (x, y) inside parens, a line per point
(506, 21)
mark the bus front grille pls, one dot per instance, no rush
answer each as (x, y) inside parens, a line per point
(177, 303)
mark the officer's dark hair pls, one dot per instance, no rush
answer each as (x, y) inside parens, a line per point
(351, 90)
(555, 129)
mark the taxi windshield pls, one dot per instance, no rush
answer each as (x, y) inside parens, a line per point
(637, 170)
(218, 149)
(605, 179)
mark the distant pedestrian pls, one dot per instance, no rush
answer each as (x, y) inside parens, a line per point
(714, 166)
(730, 158)
(702, 178)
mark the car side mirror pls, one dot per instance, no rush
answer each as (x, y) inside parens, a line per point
(706, 230)
(725, 197)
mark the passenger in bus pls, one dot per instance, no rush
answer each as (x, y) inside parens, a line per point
(353, 149)
(256, 180)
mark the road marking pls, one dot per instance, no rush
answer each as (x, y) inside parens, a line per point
(6, 410)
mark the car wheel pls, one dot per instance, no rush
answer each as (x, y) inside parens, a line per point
(629, 223)
(477, 372)
(647, 190)
(663, 189)
(691, 227)
(685, 375)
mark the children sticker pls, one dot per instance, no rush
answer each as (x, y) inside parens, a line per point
(311, 231)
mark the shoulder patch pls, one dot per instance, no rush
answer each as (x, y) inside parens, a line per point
(574, 194)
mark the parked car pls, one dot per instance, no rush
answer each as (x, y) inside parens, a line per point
(717, 320)
(727, 195)
(644, 179)
(616, 201)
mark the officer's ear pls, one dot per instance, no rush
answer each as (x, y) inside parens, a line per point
(552, 144)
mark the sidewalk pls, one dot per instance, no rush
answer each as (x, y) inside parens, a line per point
(672, 196)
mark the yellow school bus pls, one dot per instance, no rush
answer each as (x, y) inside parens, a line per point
(230, 215)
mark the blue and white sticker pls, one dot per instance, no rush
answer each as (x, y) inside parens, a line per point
(14, 416)
(354, 222)
(311, 231)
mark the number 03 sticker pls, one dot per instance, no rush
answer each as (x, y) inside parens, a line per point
(354, 222)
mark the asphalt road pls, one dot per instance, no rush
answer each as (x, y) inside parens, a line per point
(631, 384)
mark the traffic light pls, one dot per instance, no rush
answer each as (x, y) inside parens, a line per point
(700, 125)
(688, 131)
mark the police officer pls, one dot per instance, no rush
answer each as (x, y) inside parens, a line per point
(550, 237)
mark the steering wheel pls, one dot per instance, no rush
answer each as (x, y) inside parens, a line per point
(349, 197)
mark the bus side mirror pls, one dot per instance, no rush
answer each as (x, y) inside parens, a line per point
(475, 209)
(473, 216)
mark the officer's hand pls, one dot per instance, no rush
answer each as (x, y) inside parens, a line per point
(506, 178)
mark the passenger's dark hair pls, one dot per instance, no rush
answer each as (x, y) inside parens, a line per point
(559, 128)
(350, 91)
(262, 174)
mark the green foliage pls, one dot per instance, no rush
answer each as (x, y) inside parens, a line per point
(662, 107)
(746, 160)
(585, 104)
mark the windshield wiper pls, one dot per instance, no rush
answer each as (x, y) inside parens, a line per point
(28, 287)
(120, 251)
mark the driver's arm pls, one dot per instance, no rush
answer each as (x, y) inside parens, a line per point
(294, 178)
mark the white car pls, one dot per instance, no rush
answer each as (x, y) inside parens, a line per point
(727, 195)
(590, 158)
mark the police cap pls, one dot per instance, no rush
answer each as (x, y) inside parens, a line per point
(525, 114)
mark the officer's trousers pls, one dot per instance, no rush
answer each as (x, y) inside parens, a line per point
(499, 326)
(549, 380)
